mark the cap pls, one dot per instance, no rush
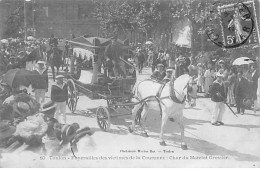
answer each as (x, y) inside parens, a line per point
(221, 61)
(59, 76)
(160, 65)
(40, 62)
(169, 70)
(219, 74)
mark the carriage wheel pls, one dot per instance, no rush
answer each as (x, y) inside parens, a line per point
(72, 96)
(103, 118)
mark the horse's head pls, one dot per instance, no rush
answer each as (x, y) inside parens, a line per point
(191, 92)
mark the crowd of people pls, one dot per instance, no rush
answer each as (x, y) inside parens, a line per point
(236, 86)
(240, 83)
(27, 119)
(241, 94)
(31, 56)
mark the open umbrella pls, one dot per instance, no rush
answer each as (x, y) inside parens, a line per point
(16, 77)
(31, 38)
(148, 42)
(242, 61)
(5, 41)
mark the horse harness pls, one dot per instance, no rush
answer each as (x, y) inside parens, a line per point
(159, 98)
(173, 95)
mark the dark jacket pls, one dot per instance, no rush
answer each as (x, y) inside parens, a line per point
(241, 88)
(158, 76)
(59, 94)
(140, 57)
(216, 89)
(113, 52)
(255, 84)
(41, 82)
(53, 41)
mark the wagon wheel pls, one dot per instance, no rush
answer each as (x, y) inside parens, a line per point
(103, 118)
(138, 116)
(72, 96)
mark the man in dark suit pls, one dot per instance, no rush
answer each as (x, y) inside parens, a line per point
(53, 41)
(113, 53)
(255, 76)
(240, 89)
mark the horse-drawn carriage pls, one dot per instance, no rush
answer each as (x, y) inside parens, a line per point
(93, 80)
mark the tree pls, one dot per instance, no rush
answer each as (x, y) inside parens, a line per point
(14, 23)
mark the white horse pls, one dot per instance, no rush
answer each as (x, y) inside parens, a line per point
(167, 103)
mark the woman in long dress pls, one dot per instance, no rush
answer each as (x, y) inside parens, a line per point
(231, 84)
(209, 77)
(200, 81)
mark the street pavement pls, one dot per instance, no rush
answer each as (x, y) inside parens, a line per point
(235, 144)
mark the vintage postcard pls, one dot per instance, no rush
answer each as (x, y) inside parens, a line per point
(129, 83)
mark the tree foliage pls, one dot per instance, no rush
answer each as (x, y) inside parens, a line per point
(14, 23)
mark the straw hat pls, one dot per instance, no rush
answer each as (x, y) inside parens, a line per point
(160, 65)
(41, 62)
(219, 74)
(169, 70)
(221, 62)
(59, 76)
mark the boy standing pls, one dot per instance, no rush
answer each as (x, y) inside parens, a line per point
(40, 88)
(59, 95)
(217, 93)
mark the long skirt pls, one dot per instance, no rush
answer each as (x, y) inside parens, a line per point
(208, 83)
(230, 95)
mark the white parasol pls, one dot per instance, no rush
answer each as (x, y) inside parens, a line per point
(242, 61)
(31, 38)
(148, 42)
(4, 41)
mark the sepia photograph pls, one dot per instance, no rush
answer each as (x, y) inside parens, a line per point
(129, 84)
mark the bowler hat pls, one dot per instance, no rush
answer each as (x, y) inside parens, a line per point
(59, 76)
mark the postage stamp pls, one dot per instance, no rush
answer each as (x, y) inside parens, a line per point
(238, 25)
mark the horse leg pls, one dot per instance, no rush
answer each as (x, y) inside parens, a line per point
(53, 72)
(134, 112)
(143, 119)
(164, 120)
(183, 144)
(58, 70)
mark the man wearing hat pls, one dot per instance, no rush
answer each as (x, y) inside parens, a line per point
(41, 88)
(59, 95)
(241, 92)
(217, 93)
(168, 76)
(159, 74)
(139, 57)
(53, 41)
(112, 53)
